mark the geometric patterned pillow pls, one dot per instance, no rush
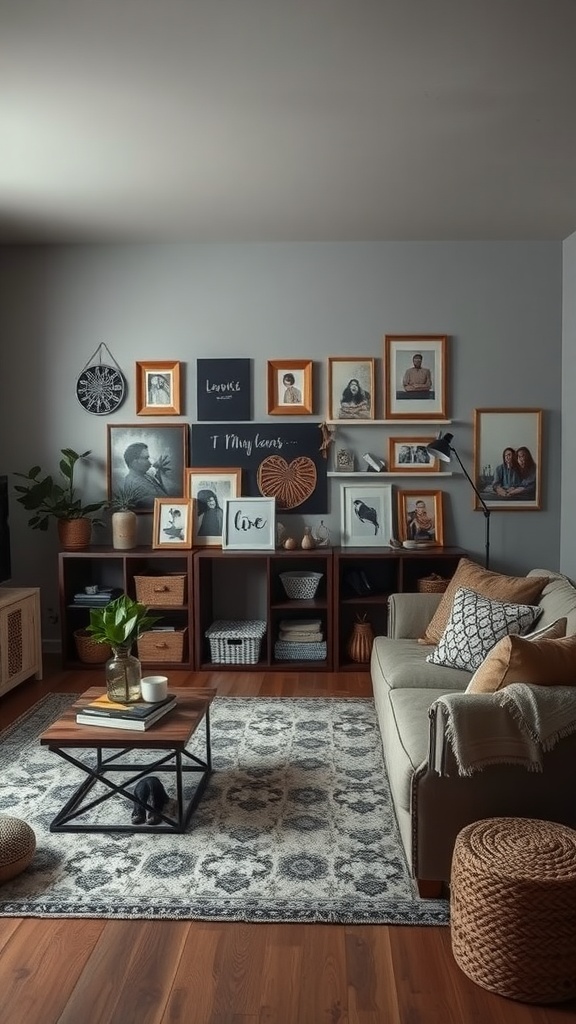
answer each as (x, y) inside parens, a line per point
(475, 625)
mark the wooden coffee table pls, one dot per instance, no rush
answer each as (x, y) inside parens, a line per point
(108, 751)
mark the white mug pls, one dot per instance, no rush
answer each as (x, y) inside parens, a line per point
(154, 688)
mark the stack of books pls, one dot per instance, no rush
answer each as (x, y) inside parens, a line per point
(105, 713)
(102, 597)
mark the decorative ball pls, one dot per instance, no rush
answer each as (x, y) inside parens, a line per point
(290, 544)
(17, 846)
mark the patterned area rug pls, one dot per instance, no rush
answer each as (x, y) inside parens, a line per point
(295, 825)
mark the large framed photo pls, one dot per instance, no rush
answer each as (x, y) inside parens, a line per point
(147, 462)
(366, 515)
(172, 526)
(209, 488)
(411, 455)
(420, 517)
(351, 387)
(508, 458)
(289, 387)
(158, 388)
(416, 372)
(249, 524)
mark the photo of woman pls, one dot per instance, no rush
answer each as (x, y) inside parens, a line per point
(209, 488)
(351, 388)
(509, 476)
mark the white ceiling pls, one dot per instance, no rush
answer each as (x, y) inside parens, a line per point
(287, 120)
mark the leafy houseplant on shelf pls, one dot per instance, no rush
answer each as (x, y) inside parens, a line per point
(120, 623)
(46, 499)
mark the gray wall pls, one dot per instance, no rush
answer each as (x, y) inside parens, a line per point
(568, 547)
(501, 304)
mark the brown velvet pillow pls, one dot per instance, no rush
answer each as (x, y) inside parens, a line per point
(541, 661)
(517, 589)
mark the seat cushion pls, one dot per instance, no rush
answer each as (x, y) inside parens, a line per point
(402, 664)
(405, 734)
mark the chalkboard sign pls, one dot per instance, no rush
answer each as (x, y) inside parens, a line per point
(279, 460)
(223, 389)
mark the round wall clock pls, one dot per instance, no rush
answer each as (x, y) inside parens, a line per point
(100, 388)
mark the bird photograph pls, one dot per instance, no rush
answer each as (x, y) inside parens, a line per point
(366, 514)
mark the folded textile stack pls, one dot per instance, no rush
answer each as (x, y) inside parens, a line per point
(300, 640)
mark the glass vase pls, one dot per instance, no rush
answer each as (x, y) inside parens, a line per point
(123, 674)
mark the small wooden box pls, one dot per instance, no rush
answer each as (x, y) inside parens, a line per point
(162, 645)
(161, 591)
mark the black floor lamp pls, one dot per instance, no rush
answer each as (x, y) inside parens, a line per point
(443, 449)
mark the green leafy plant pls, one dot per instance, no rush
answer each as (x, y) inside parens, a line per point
(46, 498)
(120, 622)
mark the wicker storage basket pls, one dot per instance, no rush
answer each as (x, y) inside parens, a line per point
(289, 650)
(301, 585)
(236, 641)
(432, 584)
(161, 591)
(88, 651)
(162, 645)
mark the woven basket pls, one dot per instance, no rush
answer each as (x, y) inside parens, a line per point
(301, 586)
(236, 641)
(162, 645)
(432, 584)
(161, 591)
(513, 908)
(90, 652)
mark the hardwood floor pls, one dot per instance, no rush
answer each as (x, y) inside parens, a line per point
(81, 971)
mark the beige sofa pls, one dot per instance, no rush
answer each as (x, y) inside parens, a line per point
(431, 808)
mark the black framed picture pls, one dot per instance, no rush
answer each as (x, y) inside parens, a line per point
(224, 390)
(147, 462)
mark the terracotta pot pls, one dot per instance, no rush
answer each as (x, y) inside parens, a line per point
(360, 643)
(124, 530)
(74, 534)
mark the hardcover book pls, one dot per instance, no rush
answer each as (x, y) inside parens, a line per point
(103, 707)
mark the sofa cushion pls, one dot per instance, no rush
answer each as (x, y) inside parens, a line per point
(406, 737)
(540, 661)
(475, 625)
(399, 664)
(557, 599)
(519, 589)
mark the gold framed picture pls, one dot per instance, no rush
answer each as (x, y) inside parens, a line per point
(158, 388)
(416, 372)
(209, 487)
(508, 459)
(289, 387)
(411, 455)
(420, 517)
(172, 524)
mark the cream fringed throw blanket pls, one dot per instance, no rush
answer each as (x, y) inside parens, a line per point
(515, 725)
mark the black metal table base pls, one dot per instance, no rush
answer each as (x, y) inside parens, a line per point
(180, 763)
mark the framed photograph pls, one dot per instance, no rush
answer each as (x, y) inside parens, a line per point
(147, 461)
(508, 458)
(209, 487)
(172, 526)
(351, 388)
(289, 387)
(158, 388)
(415, 371)
(410, 455)
(420, 517)
(249, 524)
(366, 515)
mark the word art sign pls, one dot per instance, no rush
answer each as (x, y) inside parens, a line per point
(224, 389)
(249, 524)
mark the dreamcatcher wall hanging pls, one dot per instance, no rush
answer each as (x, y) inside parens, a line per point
(101, 387)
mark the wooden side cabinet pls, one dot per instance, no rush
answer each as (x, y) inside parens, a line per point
(20, 640)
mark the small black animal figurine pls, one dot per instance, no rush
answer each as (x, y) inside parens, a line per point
(151, 791)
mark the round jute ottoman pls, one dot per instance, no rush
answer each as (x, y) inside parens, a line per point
(513, 907)
(17, 846)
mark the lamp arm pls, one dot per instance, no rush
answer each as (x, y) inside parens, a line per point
(485, 508)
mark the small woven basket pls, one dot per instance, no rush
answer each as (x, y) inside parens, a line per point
(301, 586)
(88, 651)
(160, 591)
(432, 584)
(162, 645)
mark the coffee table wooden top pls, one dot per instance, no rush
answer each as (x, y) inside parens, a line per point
(171, 732)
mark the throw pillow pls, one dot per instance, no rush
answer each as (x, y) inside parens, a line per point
(519, 589)
(540, 659)
(475, 627)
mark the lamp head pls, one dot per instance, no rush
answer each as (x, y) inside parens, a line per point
(441, 447)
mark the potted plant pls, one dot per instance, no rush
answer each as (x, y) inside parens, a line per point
(119, 624)
(124, 519)
(46, 498)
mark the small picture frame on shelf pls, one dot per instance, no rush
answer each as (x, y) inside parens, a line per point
(420, 519)
(249, 524)
(208, 487)
(351, 387)
(411, 455)
(172, 525)
(344, 461)
(289, 387)
(366, 515)
(158, 388)
(416, 373)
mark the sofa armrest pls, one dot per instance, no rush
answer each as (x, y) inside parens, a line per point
(409, 614)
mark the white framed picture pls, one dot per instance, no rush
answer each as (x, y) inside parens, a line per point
(366, 515)
(249, 524)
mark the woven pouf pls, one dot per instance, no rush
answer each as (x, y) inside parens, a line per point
(513, 908)
(17, 846)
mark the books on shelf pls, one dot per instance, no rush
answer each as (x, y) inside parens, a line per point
(104, 713)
